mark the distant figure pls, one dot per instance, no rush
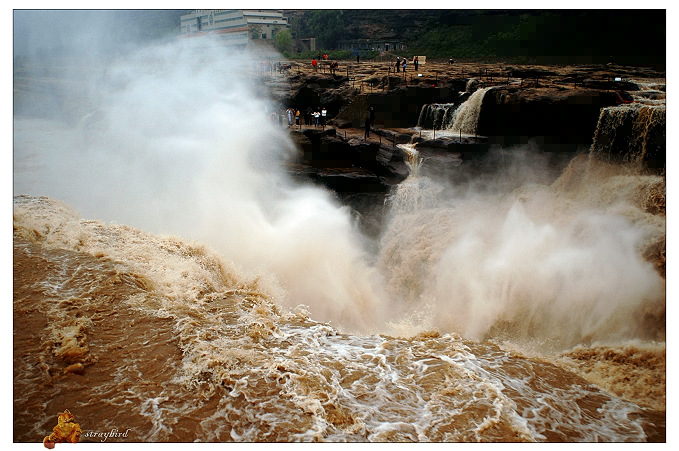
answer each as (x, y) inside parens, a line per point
(324, 115)
(398, 64)
(314, 63)
(317, 116)
(308, 114)
(416, 61)
(297, 117)
(289, 117)
(371, 115)
(367, 128)
(358, 58)
(405, 61)
(450, 61)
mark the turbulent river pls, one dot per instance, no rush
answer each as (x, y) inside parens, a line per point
(172, 283)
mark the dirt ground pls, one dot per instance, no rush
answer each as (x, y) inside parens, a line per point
(438, 71)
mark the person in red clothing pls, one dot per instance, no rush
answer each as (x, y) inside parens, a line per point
(314, 63)
(622, 97)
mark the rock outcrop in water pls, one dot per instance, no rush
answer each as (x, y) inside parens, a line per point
(347, 162)
(559, 119)
(454, 114)
(556, 107)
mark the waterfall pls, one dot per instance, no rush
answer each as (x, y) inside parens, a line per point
(446, 116)
(413, 159)
(634, 133)
(417, 192)
(436, 115)
(466, 117)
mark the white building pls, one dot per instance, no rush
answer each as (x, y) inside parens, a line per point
(235, 26)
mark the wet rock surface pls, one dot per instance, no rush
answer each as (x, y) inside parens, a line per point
(557, 107)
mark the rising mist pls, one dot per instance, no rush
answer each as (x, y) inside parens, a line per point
(175, 138)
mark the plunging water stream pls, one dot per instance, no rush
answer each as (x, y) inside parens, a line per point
(452, 119)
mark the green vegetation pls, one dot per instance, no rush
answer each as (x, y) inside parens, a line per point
(553, 37)
(283, 40)
(332, 54)
(631, 37)
(327, 25)
(520, 36)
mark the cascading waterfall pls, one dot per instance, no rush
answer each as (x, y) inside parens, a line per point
(446, 116)
(436, 116)
(413, 159)
(466, 118)
(650, 93)
(634, 133)
(415, 193)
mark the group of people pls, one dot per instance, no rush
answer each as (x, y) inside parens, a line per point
(311, 116)
(314, 62)
(318, 117)
(282, 67)
(333, 65)
(272, 67)
(402, 63)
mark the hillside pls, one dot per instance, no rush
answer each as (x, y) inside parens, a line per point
(628, 37)
(636, 37)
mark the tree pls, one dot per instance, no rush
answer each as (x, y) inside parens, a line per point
(255, 31)
(283, 40)
(298, 26)
(327, 26)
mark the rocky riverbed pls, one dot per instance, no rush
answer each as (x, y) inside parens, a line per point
(553, 108)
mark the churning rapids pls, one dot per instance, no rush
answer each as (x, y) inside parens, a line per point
(214, 299)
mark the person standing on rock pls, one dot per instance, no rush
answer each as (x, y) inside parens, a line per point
(371, 115)
(398, 64)
(317, 116)
(367, 128)
(405, 61)
(416, 62)
(324, 115)
(289, 117)
(314, 63)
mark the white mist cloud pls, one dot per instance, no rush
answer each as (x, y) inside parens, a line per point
(543, 264)
(175, 139)
(179, 141)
